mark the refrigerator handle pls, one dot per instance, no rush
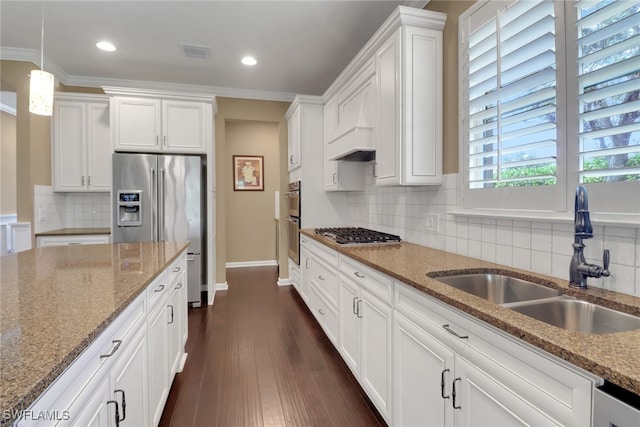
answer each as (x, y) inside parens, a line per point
(154, 209)
(161, 208)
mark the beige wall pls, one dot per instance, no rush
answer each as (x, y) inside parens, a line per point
(250, 228)
(453, 9)
(33, 138)
(231, 110)
(7, 163)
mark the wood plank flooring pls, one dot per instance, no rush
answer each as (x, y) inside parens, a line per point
(259, 358)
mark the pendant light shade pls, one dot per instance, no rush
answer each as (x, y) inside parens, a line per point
(41, 93)
(41, 84)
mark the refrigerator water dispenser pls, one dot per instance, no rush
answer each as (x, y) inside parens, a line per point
(129, 206)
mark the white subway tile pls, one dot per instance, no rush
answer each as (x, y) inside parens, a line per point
(560, 266)
(504, 255)
(541, 262)
(621, 249)
(541, 240)
(522, 258)
(621, 280)
(521, 237)
(475, 249)
(489, 251)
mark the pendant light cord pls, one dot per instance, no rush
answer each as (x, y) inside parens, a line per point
(42, 42)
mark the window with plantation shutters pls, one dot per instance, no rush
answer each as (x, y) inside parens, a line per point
(509, 101)
(550, 99)
(608, 49)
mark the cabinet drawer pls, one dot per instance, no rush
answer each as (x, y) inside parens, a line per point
(325, 279)
(176, 270)
(157, 291)
(377, 283)
(326, 315)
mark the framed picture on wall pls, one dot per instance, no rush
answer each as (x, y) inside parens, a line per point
(248, 173)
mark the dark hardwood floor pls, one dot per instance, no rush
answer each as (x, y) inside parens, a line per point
(258, 357)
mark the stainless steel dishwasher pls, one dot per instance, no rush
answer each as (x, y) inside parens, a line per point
(615, 407)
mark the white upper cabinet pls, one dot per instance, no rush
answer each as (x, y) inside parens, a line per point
(155, 125)
(295, 138)
(387, 103)
(409, 91)
(81, 145)
(159, 122)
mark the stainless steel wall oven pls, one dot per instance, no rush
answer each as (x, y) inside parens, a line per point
(293, 221)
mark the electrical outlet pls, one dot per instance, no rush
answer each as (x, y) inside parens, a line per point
(433, 222)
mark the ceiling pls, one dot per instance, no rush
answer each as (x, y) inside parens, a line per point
(301, 46)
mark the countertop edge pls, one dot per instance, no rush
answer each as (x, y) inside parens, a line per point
(74, 232)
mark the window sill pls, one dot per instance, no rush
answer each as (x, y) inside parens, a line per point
(597, 218)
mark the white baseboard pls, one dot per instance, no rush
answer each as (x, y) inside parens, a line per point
(283, 281)
(183, 360)
(222, 286)
(240, 264)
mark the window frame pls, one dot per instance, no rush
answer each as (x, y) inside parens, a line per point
(616, 202)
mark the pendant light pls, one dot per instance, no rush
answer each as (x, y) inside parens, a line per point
(41, 84)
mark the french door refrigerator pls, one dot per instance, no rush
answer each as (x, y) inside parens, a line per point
(162, 198)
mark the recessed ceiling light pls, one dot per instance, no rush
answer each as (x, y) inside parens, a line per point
(249, 60)
(105, 45)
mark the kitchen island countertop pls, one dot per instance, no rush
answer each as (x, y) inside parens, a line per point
(613, 357)
(57, 300)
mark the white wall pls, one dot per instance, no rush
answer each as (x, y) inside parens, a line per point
(542, 247)
(70, 210)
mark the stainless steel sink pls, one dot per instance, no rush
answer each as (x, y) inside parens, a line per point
(498, 288)
(579, 316)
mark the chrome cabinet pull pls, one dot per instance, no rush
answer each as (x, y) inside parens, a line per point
(73, 243)
(113, 350)
(320, 277)
(157, 139)
(82, 180)
(291, 159)
(334, 178)
(89, 180)
(442, 383)
(320, 311)
(165, 140)
(179, 285)
(361, 276)
(171, 307)
(117, 415)
(454, 333)
(358, 309)
(177, 269)
(354, 305)
(453, 393)
(160, 288)
(306, 263)
(124, 404)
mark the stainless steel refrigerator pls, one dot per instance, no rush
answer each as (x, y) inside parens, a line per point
(162, 198)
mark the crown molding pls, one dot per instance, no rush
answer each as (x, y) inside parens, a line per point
(33, 56)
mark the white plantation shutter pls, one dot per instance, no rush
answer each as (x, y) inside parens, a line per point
(509, 101)
(511, 86)
(608, 43)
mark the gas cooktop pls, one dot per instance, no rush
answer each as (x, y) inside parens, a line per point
(357, 236)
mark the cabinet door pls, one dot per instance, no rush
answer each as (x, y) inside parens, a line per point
(423, 371)
(173, 322)
(158, 363)
(129, 382)
(96, 412)
(330, 117)
(305, 268)
(389, 99)
(184, 126)
(295, 139)
(375, 350)
(137, 124)
(349, 340)
(99, 151)
(482, 401)
(69, 149)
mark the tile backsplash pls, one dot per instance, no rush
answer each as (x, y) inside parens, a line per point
(70, 210)
(419, 215)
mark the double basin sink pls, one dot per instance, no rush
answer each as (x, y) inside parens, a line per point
(543, 303)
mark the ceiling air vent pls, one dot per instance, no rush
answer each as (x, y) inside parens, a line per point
(195, 51)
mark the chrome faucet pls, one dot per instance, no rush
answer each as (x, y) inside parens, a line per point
(579, 270)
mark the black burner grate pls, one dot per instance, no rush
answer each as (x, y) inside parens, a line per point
(357, 235)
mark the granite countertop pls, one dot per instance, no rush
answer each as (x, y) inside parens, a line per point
(57, 300)
(75, 231)
(614, 357)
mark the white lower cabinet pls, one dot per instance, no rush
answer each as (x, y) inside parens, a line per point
(365, 338)
(123, 377)
(465, 373)
(424, 363)
(72, 240)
